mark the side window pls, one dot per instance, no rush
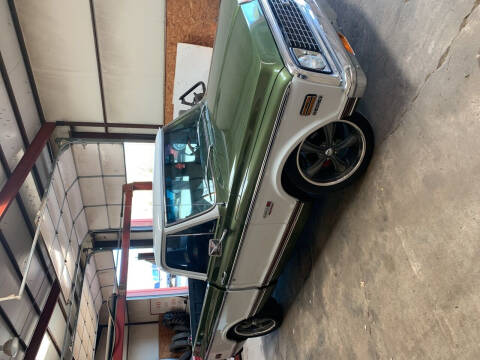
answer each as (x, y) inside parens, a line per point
(188, 249)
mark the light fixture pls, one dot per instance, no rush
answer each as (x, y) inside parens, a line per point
(311, 60)
(10, 347)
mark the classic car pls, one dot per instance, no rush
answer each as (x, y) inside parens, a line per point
(233, 176)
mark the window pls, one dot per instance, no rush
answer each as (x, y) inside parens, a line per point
(189, 187)
(145, 275)
(139, 160)
(188, 250)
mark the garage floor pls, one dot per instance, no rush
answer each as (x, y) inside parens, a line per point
(389, 269)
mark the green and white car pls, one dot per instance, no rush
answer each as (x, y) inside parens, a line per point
(276, 127)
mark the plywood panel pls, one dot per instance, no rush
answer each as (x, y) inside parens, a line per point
(188, 21)
(164, 340)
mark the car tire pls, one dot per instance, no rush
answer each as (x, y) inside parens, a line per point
(187, 355)
(268, 319)
(351, 159)
(181, 328)
(175, 318)
(179, 346)
(181, 336)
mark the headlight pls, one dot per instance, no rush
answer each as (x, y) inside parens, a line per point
(311, 59)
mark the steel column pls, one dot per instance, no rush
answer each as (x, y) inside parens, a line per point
(113, 136)
(18, 119)
(42, 324)
(122, 286)
(110, 124)
(15, 182)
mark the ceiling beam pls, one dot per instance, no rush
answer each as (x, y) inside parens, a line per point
(26, 60)
(99, 63)
(25, 165)
(19, 121)
(114, 244)
(104, 125)
(114, 136)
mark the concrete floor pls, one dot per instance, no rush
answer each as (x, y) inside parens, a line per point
(390, 268)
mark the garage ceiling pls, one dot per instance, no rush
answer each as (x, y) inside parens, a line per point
(97, 61)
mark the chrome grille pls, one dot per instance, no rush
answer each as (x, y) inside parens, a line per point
(295, 30)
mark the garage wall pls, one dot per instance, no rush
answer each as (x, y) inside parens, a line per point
(188, 21)
(19, 123)
(143, 342)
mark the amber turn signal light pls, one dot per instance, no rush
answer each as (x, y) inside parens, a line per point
(346, 44)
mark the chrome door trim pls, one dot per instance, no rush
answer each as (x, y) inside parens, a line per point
(259, 180)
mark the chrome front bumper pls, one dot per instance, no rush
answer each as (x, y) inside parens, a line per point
(346, 73)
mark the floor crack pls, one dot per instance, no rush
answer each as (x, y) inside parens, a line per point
(441, 62)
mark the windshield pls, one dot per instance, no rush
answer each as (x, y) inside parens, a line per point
(189, 188)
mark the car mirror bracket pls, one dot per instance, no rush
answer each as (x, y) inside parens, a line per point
(215, 246)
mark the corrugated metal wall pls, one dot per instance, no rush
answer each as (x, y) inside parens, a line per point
(64, 225)
(19, 122)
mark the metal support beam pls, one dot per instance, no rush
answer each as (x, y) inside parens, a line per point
(19, 120)
(28, 222)
(113, 244)
(113, 136)
(42, 324)
(122, 286)
(110, 124)
(15, 182)
(121, 307)
(26, 60)
(99, 63)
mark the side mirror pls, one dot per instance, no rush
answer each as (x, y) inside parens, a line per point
(215, 246)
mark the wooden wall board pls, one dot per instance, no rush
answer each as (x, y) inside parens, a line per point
(187, 21)
(164, 340)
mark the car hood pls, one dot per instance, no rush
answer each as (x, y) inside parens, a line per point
(245, 65)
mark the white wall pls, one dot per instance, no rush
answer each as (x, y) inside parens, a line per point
(193, 65)
(143, 342)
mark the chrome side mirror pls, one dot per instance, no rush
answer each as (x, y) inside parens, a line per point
(215, 246)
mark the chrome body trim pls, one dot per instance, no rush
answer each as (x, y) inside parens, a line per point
(259, 180)
(286, 238)
(215, 326)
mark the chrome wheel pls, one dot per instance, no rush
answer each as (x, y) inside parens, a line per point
(255, 327)
(332, 154)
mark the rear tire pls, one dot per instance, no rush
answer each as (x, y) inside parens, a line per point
(175, 318)
(181, 336)
(179, 346)
(329, 159)
(187, 355)
(266, 321)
